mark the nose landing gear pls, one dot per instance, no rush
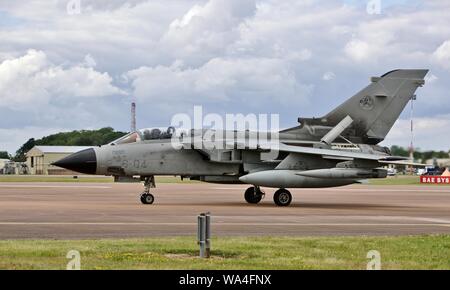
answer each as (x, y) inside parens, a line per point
(146, 196)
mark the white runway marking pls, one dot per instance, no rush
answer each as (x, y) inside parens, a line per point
(431, 220)
(52, 186)
(230, 188)
(221, 223)
(378, 219)
(387, 190)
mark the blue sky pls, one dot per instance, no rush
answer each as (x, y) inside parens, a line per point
(61, 72)
(7, 20)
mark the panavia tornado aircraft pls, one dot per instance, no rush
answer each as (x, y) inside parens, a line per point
(337, 149)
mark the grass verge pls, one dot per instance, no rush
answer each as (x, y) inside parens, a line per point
(405, 252)
(31, 178)
(400, 180)
(81, 178)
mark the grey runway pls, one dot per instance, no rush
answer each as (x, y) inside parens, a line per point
(111, 210)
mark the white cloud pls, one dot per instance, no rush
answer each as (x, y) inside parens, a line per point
(89, 61)
(206, 30)
(223, 80)
(328, 76)
(10, 138)
(431, 78)
(195, 11)
(358, 50)
(32, 80)
(442, 54)
(429, 133)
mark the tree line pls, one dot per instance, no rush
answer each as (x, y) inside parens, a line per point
(74, 138)
(419, 155)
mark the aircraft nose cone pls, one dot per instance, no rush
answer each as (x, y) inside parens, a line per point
(83, 161)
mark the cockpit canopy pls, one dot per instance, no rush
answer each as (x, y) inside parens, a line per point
(156, 133)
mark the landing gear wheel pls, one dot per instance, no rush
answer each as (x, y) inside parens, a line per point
(253, 195)
(282, 197)
(147, 198)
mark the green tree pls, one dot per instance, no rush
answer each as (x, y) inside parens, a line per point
(418, 154)
(4, 155)
(399, 151)
(20, 154)
(74, 138)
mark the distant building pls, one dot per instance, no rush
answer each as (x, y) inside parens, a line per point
(12, 167)
(440, 162)
(39, 159)
(2, 164)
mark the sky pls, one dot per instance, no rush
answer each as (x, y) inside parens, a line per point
(65, 66)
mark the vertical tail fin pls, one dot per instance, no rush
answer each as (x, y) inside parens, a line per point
(376, 108)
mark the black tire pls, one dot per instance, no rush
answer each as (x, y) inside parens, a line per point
(252, 195)
(282, 197)
(147, 198)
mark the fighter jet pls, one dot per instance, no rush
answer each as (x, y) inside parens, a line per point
(338, 149)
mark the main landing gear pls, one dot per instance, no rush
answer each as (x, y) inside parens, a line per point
(146, 196)
(254, 195)
(282, 197)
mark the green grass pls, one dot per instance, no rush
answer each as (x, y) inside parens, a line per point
(81, 178)
(50, 178)
(399, 180)
(407, 252)
(173, 179)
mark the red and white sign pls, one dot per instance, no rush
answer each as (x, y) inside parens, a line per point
(435, 179)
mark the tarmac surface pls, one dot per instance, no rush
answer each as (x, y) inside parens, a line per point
(110, 210)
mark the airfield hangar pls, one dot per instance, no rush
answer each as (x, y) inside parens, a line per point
(39, 159)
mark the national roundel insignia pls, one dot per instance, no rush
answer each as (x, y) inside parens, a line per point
(367, 103)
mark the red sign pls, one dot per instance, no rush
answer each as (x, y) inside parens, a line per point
(435, 179)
